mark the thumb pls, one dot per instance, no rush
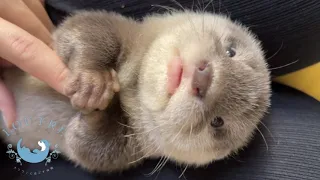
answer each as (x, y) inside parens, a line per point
(7, 105)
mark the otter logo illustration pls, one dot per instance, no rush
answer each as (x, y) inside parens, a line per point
(36, 155)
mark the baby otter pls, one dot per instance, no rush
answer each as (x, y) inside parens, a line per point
(187, 86)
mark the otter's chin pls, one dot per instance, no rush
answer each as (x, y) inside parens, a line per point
(197, 158)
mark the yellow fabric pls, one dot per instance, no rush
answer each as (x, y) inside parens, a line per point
(306, 80)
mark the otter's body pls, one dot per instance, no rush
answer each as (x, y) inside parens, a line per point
(131, 99)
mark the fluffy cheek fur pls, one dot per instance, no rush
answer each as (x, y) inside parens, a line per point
(187, 133)
(153, 79)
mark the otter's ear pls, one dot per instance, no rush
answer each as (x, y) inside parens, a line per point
(306, 80)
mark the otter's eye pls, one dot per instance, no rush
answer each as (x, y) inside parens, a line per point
(231, 52)
(217, 122)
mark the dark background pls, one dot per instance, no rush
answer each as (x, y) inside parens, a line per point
(288, 29)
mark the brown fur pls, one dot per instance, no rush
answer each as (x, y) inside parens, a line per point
(142, 120)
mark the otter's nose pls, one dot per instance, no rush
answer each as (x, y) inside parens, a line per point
(201, 79)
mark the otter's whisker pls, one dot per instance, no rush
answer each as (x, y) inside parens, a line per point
(199, 5)
(210, 2)
(178, 132)
(197, 8)
(170, 9)
(191, 22)
(163, 164)
(279, 67)
(146, 155)
(128, 126)
(203, 6)
(135, 148)
(257, 128)
(237, 159)
(141, 150)
(156, 167)
(192, 5)
(213, 10)
(276, 51)
(264, 139)
(190, 131)
(179, 4)
(134, 134)
(268, 131)
(127, 112)
(202, 9)
(182, 174)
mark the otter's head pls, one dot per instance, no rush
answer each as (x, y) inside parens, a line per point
(204, 86)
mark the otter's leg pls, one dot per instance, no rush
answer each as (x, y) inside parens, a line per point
(89, 44)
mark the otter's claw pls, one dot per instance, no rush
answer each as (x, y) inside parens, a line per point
(89, 90)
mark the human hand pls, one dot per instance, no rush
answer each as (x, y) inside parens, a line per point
(24, 40)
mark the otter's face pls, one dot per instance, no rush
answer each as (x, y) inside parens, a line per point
(204, 88)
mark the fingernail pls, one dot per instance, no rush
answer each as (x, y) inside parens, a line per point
(4, 120)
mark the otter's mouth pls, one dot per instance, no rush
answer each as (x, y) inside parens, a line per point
(174, 75)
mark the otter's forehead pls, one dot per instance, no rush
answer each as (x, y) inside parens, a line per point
(211, 33)
(204, 27)
(201, 22)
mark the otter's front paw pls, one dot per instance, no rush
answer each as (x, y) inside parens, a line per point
(89, 90)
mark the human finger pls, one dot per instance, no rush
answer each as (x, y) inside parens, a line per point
(37, 8)
(31, 55)
(18, 13)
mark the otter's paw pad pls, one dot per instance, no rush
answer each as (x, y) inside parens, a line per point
(91, 90)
